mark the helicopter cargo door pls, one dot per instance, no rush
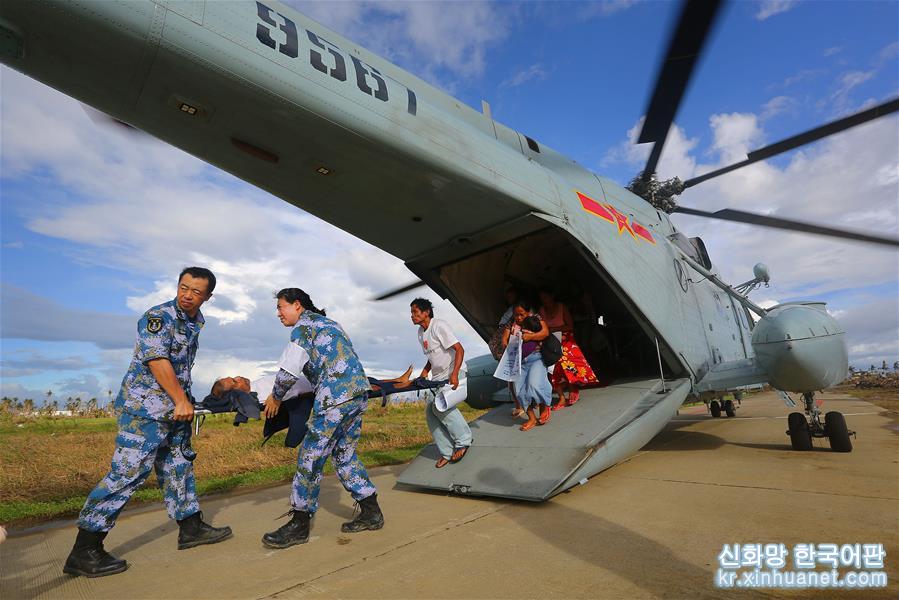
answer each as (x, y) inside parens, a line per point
(606, 426)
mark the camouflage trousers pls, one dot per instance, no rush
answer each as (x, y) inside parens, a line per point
(333, 432)
(141, 445)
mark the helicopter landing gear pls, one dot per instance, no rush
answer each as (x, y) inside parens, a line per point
(802, 428)
(716, 406)
(800, 436)
(836, 431)
(729, 409)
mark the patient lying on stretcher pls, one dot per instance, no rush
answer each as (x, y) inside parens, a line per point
(262, 387)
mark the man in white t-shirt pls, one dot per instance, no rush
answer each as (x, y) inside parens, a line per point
(445, 355)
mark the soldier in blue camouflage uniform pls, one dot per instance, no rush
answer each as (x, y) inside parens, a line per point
(321, 351)
(155, 410)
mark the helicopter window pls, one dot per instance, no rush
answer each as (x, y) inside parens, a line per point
(703, 259)
(684, 244)
(532, 144)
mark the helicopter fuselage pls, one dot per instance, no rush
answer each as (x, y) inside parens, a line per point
(263, 92)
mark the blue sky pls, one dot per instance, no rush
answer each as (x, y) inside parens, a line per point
(83, 254)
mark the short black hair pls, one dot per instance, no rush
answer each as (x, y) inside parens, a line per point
(532, 323)
(200, 273)
(526, 303)
(423, 304)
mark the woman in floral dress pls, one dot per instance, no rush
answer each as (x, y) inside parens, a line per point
(572, 371)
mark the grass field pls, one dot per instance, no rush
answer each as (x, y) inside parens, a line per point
(887, 398)
(49, 464)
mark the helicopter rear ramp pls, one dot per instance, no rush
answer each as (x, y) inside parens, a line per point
(606, 426)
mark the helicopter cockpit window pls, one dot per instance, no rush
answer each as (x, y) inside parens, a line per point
(686, 246)
(703, 259)
(532, 144)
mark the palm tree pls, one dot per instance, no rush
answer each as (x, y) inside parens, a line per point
(28, 406)
(72, 406)
(92, 408)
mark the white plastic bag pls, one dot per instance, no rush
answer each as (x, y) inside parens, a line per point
(509, 367)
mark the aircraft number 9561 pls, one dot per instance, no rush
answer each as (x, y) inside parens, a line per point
(324, 56)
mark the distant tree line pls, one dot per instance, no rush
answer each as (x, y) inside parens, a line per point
(75, 407)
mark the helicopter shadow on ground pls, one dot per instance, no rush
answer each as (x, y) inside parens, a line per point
(627, 553)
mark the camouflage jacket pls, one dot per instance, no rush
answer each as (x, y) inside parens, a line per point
(333, 368)
(164, 331)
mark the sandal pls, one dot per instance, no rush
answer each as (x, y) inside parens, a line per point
(517, 412)
(463, 450)
(573, 397)
(528, 426)
(441, 462)
(543, 419)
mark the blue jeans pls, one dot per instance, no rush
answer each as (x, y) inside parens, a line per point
(532, 386)
(449, 429)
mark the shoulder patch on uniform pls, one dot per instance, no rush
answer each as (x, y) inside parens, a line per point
(154, 324)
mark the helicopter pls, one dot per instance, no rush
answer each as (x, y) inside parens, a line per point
(265, 93)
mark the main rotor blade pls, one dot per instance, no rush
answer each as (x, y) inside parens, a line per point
(802, 139)
(399, 291)
(739, 216)
(684, 48)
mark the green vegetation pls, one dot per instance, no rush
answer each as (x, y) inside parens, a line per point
(51, 463)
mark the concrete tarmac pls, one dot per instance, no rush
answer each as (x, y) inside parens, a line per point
(651, 527)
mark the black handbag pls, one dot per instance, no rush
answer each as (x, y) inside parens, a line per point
(551, 350)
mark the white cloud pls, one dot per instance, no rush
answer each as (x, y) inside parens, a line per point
(802, 76)
(675, 161)
(848, 82)
(604, 8)
(769, 8)
(776, 106)
(889, 52)
(443, 42)
(534, 72)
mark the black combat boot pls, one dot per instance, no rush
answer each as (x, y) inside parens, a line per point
(370, 516)
(194, 532)
(88, 557)
(295, 531)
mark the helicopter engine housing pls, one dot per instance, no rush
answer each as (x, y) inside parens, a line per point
(482, 385)
(801, 347)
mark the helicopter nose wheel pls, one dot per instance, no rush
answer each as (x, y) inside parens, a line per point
(800, 435)
(802, 429)
(715, 408)
(836, 431)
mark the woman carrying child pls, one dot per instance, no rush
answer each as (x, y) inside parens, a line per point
(532, 386)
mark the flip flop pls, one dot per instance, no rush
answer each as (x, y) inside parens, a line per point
(441, 462)
(456, 451)
(528, 426)
(544, 418)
